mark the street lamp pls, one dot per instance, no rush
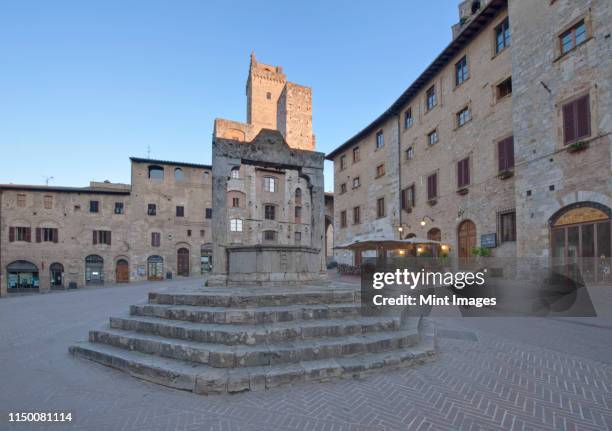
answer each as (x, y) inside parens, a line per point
(423, 222)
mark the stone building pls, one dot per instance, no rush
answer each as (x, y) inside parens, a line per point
(488, 146)
(159, 225)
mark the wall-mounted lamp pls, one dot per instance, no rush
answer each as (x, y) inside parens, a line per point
(419, 250)
(444, 247)
(401, 252)
(423, 222)
(400, 229)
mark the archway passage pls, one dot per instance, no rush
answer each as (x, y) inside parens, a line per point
(122, 271)
(182, 262)
(22, 276)
(56, 272)
(94, 269)
(466, 233)
(155, 268)
(581, 238)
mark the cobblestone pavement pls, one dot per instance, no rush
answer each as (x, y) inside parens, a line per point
(491, 374)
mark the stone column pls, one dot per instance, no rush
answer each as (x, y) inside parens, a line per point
(317, 222)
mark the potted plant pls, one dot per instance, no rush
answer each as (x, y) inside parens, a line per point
(577, 146)
(462, 191)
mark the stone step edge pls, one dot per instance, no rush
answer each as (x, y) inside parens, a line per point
(224, 356)
(202, 379)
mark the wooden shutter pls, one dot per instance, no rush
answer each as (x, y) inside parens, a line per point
(95, 237)
(403, 199)
(55, 236)
(466, 171)
(569, 129)
(11, 234)
(28, 233)
(583, 117)
(38, 234)
(109, 238)
(432, 186)
(505, 153)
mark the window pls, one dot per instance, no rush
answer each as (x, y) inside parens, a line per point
(269, 236)
(270, 184)
(202, 232)
(156, 172)
(236, 202)
(21, 200)
(342, 162)
(236, 225)
(178, 174)
(505, 154)
(118, 207)
(507, 226)
(380, 208)
(102, 237)
(573, 37)
(180, 211)
(576, 120)
(432, 187)
(47, 234)
(461, 71)
(268, 95)
(20, 234)
(356, 215)
(410, 153)
(408, 198)
(432, 137)
(356, 155)
(188, 232)
(208, 213)
(94, 206)
(356, 182)
(270, 212)
(342, 188)
(502, 36)
(48, 202)
(298, 237)
(463, 116)
(380, 170)
(298, 214)
(503, 89)
(431, 97)
(152, 209)
(298, 196)
(206, 175)
(463, 172)
(380, 139)
(343, 218)
(408, 118)
(235, 174)
(155, 239)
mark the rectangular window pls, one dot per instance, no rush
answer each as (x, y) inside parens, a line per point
(236, 225)
(155, 239)
(507, 226)
(48, 234)
(269, 235)
(573, 37)
(298, 237)
(202, 232)
(118, 207)
(432, 187)
(151, 209)
(270, 184)
(356, 182)
(461, 71)
(342, 188)
(236, 202)
(505, 154)
(48, 202)
(463, 116)
(343, 162)
(410, 153)
(380, 170)
(188, 232)
(208, 213)
(431, 98)
(356, 215)
(180, 211)
(408, 118)
(463, 173)
(102, 237)
(94, 206)
(408, 198)
(381, 211)
(503, 89)
(502, 36)
(270, 212)
(380, 139)
(298, 214)
(21, 200)
(343, 218)
(432, 137)
(356, 155)
(20, 234)
(576, 120)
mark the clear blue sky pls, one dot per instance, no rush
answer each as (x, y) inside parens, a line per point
(86, 84)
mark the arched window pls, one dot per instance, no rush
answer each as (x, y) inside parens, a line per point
(178, 174)
(235, 172)
(156, 172)
(22, 275)
(410, 235)
(475, 6)
(206, 175)
(434, 234)
(298, 196)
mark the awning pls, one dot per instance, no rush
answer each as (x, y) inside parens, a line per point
(374, 243)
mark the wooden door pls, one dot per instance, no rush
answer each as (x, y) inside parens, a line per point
(122, 272)
(467, 238)
(182, 259)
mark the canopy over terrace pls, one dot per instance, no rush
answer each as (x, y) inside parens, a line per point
(414, 245)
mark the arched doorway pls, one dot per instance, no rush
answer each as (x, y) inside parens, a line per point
(94, 269)
(155, 268)
(122, 271)
(22, 276)
(182, 262)
(581, 237)
(56, 272)
(466, 234)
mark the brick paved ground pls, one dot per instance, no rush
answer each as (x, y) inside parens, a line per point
(491, 374)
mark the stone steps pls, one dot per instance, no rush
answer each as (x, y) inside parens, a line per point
(203, 379)
(253, 315)
(254, 334)
(224, 356)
